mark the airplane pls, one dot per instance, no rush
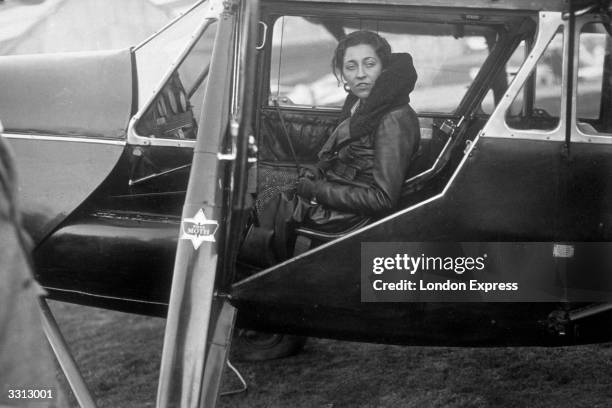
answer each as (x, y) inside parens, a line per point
(138, 169)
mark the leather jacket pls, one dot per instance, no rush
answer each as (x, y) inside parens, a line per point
(365, 176)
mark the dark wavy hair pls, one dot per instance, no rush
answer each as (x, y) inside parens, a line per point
(380, 45)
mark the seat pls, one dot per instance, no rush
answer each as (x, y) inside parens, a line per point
(307, 238)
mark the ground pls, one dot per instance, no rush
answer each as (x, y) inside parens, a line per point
(119, 356)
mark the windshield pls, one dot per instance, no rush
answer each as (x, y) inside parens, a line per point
(175, 109)
(155, 56)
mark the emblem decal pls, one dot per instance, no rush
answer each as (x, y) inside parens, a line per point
(199, 229)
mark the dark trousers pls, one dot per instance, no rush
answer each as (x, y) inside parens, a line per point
(289, 211)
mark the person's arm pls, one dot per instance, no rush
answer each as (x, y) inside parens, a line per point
(25, 361)
(317, 171)
(396, 139)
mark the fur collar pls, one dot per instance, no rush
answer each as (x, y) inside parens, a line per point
(391, 89)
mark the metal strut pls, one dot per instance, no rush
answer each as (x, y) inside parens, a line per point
(64, 357)
(200, 318)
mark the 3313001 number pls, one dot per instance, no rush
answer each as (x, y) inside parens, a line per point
(30, 393)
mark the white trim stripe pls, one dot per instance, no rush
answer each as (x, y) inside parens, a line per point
(82, 139)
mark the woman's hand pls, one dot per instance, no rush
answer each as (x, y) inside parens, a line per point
(306, 188)
(311, 172)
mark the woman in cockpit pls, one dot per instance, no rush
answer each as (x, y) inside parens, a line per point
(363, 164)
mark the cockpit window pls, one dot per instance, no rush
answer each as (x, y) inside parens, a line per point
(537, 105)
(155, 56)
(447, 58)
(509, 71)
(176, 108)
(593, 99)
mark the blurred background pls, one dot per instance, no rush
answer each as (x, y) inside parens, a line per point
(44, 26)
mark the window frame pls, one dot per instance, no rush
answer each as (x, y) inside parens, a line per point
(530, 89)
(578, 136)
(548, 25)
(133, 137)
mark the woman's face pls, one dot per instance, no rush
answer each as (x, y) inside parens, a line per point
(360, 68)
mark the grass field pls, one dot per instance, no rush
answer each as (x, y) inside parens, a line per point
(119, 356)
